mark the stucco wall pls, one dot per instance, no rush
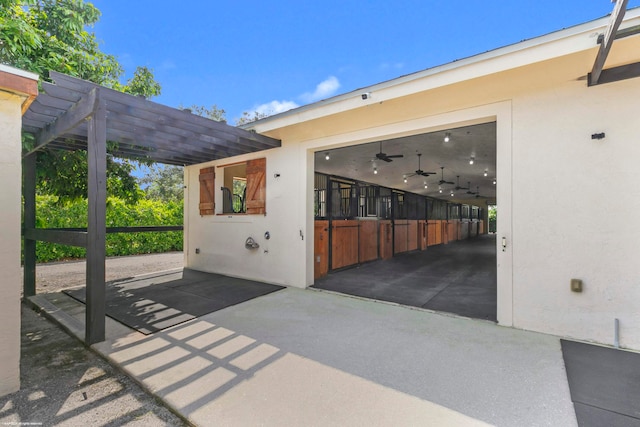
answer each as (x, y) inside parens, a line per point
(10, 172)
(221, 238)
(575, 209)
(18, 88)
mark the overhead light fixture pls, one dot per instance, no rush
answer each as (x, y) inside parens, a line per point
(404, 179)
(486, 172)
(452, 194)
(425, 185)
(326, 156)
(447, 137)
(440, 189)
(472, 160)
(375, 170)
(494, 182)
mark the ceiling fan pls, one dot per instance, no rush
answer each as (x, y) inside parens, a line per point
(442, 181)
(418, 171)
(478, 194)
(472, 192)
(387, 158)
(458, 184)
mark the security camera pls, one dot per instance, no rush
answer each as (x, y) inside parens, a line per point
(366, 95)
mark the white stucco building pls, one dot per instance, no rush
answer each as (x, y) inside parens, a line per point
(17, 90)
(567, 199)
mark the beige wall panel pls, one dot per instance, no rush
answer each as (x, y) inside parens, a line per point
(10, 173)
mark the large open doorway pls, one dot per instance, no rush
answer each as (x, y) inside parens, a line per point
(406, 220)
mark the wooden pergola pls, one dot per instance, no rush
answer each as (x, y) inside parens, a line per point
(74, 114)
(600, 75)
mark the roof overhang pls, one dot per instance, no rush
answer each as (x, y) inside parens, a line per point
(19, 82)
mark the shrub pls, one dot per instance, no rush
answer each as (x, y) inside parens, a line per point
(51, 213)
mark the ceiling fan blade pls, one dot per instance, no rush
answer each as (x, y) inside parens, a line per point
(395, 156)
(427, 173)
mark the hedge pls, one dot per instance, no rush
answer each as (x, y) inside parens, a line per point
(50, 213)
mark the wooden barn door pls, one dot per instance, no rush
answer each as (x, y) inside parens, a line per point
(321, 249)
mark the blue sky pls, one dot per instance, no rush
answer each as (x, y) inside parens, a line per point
(269, 56)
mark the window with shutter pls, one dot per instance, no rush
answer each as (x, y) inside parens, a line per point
(256, 186)
(207, 191)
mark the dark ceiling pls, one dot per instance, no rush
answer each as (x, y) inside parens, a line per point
(478, 141)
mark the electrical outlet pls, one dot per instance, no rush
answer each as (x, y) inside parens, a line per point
(576, 285)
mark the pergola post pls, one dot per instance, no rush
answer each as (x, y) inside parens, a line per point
(96, 226)
(29, 194)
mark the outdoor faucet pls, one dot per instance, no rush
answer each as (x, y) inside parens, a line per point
(251, 244)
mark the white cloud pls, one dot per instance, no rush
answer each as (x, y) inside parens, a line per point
(167, 64)
(275, 107)
(394, 66)
(324, 89)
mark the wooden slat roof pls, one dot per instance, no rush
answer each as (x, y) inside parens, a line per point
(141, 128)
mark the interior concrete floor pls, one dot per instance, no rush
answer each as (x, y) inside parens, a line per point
(459, 277)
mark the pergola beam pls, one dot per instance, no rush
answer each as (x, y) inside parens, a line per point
(29, 195)
(67, 121)
(59, 236)
(605, 46)
(622, 72)
(96, 225)
(133, 103)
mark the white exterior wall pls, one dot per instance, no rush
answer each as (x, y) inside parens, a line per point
(221, 238)
(10, 285)
(576, 203)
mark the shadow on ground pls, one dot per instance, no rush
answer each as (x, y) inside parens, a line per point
(63, 383)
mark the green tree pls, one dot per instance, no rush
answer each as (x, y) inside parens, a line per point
(250, 116)
(164, 183)
(493, 218)
(213, 112)
(43, 35)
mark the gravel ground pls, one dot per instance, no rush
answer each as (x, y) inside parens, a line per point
(55, 276)
(65, 384)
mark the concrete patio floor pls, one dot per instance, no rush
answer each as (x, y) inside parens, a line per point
(305, 357)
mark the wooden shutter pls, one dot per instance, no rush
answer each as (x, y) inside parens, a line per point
(256, 186)
(207, 191)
